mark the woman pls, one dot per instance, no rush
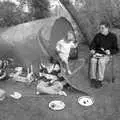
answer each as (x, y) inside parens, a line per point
(51, 82)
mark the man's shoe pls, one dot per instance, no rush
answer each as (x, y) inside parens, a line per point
(98, 84)
(93, 82)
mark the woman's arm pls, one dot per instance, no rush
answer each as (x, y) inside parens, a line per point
(58, 47)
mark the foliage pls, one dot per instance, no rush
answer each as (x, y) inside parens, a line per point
(40, 8)
(6, 13)
(12, 14)
(89, 16)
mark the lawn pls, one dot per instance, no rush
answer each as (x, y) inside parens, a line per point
(33, 107)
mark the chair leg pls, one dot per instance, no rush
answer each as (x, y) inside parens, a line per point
(89, 65)
(113, 79)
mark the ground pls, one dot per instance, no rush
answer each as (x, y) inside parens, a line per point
(32, 107)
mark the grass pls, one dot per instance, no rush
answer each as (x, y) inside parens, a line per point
(33, 107)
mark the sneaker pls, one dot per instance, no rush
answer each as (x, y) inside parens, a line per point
(69, 72)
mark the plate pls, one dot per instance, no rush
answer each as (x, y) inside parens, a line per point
(2, 98)
(16, 95)
(85, 101)
(56, 105)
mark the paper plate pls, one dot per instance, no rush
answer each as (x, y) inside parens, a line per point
(16, 95)
(85, 101)
(2, 98)
(56, 105)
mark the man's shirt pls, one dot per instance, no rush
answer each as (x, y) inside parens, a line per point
(107, 42)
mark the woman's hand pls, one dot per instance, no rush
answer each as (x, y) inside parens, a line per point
(107, 52)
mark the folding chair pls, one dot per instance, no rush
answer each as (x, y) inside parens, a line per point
(109, 71)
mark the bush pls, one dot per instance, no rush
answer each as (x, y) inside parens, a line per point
(10, 14)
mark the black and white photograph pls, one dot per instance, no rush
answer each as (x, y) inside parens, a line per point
(59, 59)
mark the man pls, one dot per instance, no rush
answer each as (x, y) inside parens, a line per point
(63, 49)
(102, 47)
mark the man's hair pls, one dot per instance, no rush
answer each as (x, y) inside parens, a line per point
(105, 23)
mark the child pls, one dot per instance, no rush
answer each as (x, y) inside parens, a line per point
(63, 48)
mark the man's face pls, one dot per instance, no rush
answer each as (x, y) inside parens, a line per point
(104, 30)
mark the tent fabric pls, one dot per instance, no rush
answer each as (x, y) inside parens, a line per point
(31, 42)
(59, 30)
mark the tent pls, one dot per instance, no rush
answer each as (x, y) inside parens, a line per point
(31, 42)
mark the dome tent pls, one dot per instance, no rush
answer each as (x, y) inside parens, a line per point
(31, 42)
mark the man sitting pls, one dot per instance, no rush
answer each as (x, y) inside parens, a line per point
(51, 82)
(63, 49)
(102, 47)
